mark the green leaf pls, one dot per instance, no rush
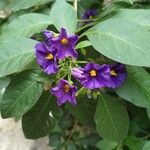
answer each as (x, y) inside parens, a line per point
(15, 55)
(127, 1)
(138, 127)
(3, 84)
(55, 109)
(148, 113)
(64, 15)
(83, 44)
(121, 41)
(136, 88)
(85, 109)
(146, 146)
(55, 139)
(25, 4)
(134, 143)
(2, 4)
(91, 139)
(37, 121)
(139, 16)
(26, 26)
(71, 146)
(111, 119)
(106, 145)
(21, 95)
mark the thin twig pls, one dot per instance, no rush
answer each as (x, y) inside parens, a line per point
(146, 137)
(76, 5)
(73, 130)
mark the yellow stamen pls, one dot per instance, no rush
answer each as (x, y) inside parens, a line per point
(55, 35)
(113, 73)
(91, 17)
(93, 73)
(66, 88)
(50, 56)
(64, 41)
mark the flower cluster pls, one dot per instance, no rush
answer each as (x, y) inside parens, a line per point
(56, 48)
(95, 76)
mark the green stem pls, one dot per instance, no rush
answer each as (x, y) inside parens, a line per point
(80, 91)
(146, 137)
(76, 5)
(69, 74)
(72, 131)
(84, 27)
(85, 20)
(82, 62)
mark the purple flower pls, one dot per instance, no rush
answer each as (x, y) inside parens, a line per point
(78, 73)
(89, 14)
(65, 44)
(46, 57)
(65, 92)
(48, 34)
(95, 76)
(118, 75)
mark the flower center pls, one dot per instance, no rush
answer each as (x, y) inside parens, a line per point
(90, 17)
(113, 73)
(66, 88)
(49, 56)
(93, 73)
(64, 41)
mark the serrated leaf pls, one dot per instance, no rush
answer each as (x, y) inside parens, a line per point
(21, 95)
(111, 117)
(126, 41)
(25, 4)
(25, 26)
(85, 109)
(15, 55)
(136, 89)
(37, 122)
(64, 15)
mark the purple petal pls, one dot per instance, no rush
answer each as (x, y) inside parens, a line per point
(121, 74)
(63, 33)
(73, 101)
(88, 66)
(67, 51)
(93, 83)
(48, 34)
(62, 96)
(73, 40)
(78, 73)
(41, 46)
(51, 68)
